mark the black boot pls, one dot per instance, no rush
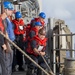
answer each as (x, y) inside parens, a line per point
(40, 72)
(21, 69)
(31, 72)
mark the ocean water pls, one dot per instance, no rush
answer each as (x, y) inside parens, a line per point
(68, 54)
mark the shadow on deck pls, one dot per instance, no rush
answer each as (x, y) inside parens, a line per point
(19, 73)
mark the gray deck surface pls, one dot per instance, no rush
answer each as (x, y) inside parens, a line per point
(19, 73)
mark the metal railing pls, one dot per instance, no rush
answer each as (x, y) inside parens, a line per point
(71, 50)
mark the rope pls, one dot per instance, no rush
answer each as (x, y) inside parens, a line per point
(50, 71)
(25, 54)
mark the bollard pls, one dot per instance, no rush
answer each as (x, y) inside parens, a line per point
(69, 66)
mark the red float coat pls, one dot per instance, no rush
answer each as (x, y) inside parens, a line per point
(19, 24)
(39, 42)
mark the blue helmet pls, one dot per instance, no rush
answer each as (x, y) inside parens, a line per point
(8, 5)
(38, 24)
(18, 14)
(42, 15)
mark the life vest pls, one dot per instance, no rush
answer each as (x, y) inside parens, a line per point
(35, 30)
(19, 27)
(39, 42)
(37, 20)
(1, 25)
(28, 28)
(32, 29)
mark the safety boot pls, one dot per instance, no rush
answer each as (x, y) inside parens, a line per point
(31, 72)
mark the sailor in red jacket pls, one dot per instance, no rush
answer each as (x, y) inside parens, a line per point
(19, 30)
(40, 19)
(35, 49)
(19, 24)
(34, 30)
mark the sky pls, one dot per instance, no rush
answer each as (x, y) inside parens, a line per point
(61, 9)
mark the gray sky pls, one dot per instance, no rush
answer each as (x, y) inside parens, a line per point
(61, 9)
